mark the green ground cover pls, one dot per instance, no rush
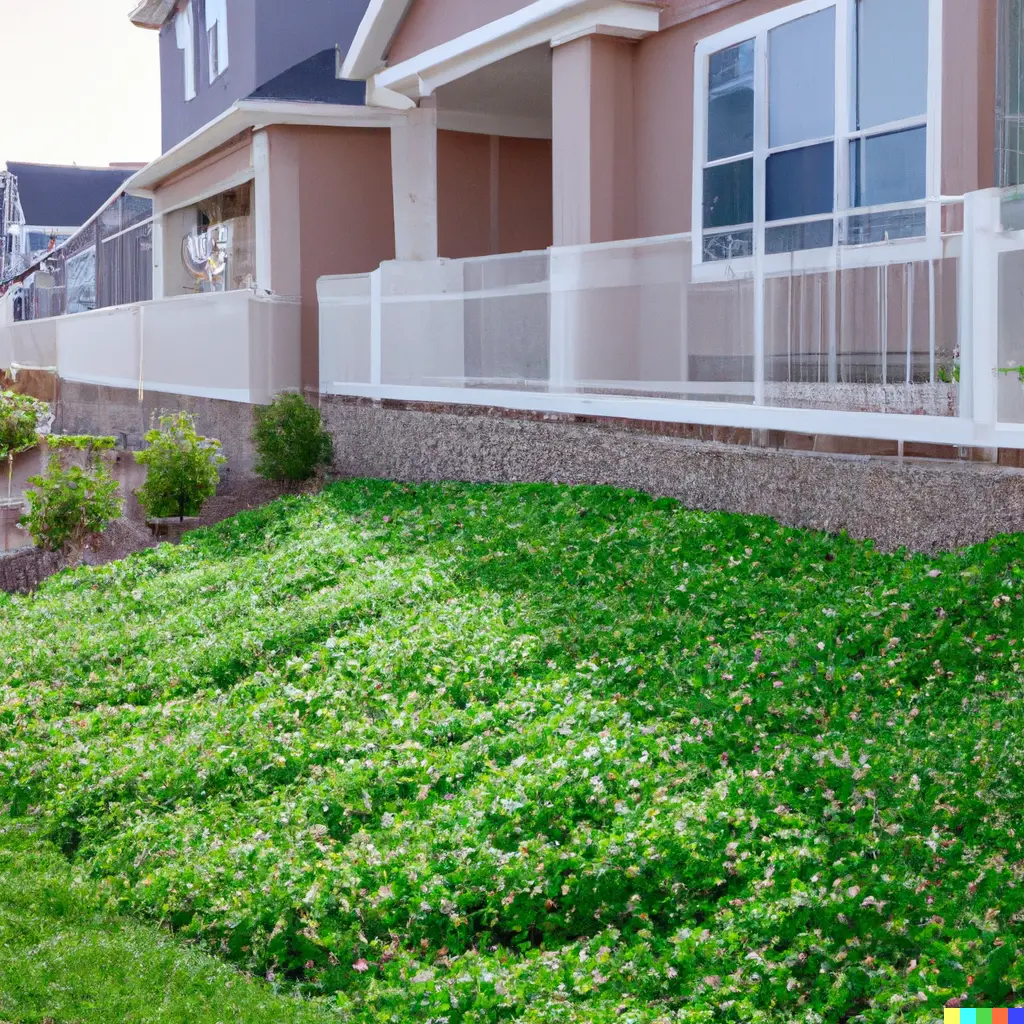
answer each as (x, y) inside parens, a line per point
(538, 754)
(64, 961)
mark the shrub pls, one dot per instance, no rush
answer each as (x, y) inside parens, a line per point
(290, 441)
(183, 468)
(21, 422)
(69, 504)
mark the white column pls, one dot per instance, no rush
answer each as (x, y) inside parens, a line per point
(158, 253)
(979, 314)
(261, 167)
(414, 180)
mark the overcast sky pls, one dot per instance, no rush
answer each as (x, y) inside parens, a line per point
(84, 85)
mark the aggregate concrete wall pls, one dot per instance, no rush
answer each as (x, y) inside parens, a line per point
(924, 504)
(102, 410)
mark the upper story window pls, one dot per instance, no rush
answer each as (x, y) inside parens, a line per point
(185, 36)
(217, 36)
(812, 128)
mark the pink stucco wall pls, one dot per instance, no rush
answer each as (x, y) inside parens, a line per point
(494, 194)
(333, 186)
(429, 23)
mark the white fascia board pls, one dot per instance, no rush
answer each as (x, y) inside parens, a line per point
(379, 24)
(244, 116)
(545, 21)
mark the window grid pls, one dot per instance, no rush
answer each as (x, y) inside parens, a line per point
(847, 133)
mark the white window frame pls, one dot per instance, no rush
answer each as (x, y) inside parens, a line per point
(866, 254)
(217, 37)
(185, 37)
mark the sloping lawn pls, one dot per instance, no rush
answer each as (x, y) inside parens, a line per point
(62, 960)
(539, 754)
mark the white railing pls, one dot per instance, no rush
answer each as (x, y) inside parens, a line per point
(896, 341)
(232, 345)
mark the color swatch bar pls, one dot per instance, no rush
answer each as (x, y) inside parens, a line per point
(965, 1016)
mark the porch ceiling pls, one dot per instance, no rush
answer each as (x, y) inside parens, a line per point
(518, 87)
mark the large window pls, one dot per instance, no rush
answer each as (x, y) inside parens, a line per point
(217, 37)
(185, 37)
(814, 129)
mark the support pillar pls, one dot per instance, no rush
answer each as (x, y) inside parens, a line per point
(414, 178)
(593, 151)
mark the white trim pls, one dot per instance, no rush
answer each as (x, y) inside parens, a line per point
(949, 430)
(246, 115)
(262, 211)
(366, 52)
(928, 246)
(542, 22)
(132, 384)
(231, 181)
(477, 123)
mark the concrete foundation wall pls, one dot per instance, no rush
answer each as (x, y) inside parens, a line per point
(106, 411)
(923, 504)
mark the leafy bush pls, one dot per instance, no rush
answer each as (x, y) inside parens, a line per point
(290, 441)
(70, 504)
(21, 422)
(542, 755)
(182, 468)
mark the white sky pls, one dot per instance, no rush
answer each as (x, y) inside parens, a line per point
(81, 84)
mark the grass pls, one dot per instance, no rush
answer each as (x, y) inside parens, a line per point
(539, 754)
(64, 961)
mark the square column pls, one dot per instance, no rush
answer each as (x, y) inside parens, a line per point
(414, 180)
(593, 150)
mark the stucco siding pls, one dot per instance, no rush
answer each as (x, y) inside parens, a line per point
(494, 194)
(429, 23)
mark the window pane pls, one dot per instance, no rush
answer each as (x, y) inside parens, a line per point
(800, 182)
(794, 237)
(891, 61)
(728, 245)
(731, 101)
(729, 194)
(802, 79)
(888, 168)
(879, 227)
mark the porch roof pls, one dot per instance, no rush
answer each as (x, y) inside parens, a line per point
(540, 21)
(246, 115)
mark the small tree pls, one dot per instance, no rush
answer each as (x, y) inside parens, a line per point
(20, 424)
(182, 468)
(291, 443)
(70, 504)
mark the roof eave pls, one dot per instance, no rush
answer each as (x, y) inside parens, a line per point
(152, 14)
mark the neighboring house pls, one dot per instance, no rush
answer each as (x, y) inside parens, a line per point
(275, 172)
(752, 203)
(44, 205)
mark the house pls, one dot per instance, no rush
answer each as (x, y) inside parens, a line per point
(274, 172)
(43, 205)
(757, 217)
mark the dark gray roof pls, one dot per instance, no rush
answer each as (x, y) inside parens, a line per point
(314, 81)
(54, 196)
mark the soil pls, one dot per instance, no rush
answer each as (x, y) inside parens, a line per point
(24, 570)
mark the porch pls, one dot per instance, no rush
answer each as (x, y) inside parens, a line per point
(235, 346)
(891, 348)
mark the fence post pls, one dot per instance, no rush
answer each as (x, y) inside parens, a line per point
(979, 313)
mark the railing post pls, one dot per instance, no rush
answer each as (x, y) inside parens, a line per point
(376, 326)
(979, 313)
(563, 295)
